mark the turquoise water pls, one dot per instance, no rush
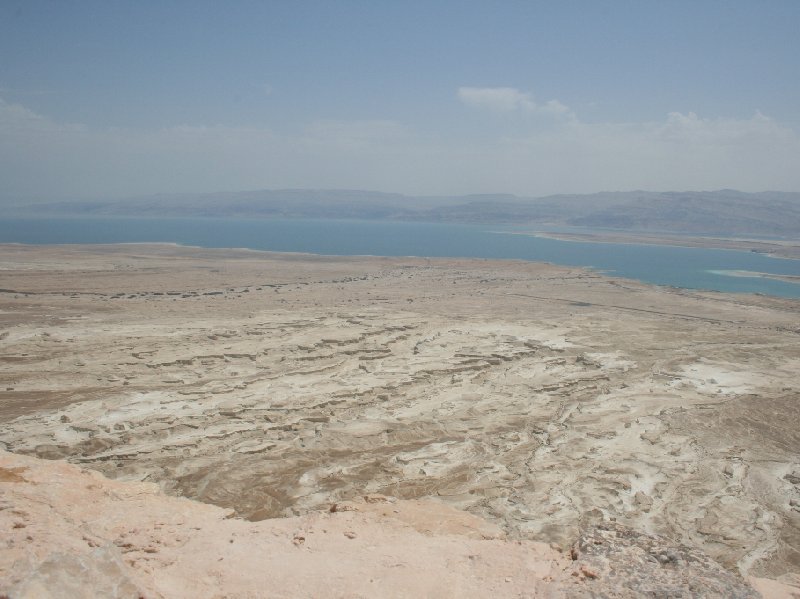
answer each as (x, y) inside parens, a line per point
(663, 265)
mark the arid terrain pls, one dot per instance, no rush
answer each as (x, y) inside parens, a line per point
(72, 533)
(542, 399)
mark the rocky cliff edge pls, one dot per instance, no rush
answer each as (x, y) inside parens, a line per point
(69, 532)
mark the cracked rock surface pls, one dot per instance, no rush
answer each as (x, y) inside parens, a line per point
(544, 399)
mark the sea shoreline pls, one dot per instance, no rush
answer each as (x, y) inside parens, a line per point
(787, 249)
(656, 263)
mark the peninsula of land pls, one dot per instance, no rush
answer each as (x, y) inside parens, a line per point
(775, 248)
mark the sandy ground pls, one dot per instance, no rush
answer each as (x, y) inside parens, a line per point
(541, 398)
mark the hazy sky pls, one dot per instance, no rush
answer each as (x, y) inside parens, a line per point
(106, 99)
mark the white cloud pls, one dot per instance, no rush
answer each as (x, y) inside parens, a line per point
(501, 99)
(510, 99)
(683, 128)
(41, 157)
(684, 151)
(15, 118)
(555, 107)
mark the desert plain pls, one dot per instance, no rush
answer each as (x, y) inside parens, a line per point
(540, 399)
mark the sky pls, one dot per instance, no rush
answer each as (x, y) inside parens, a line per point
(114, 99)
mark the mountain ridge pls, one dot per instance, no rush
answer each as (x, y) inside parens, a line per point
(720, 212)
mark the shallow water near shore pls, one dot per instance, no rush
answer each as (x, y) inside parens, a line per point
(690, 268)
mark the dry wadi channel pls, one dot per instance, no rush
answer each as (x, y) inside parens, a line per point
(538, 397)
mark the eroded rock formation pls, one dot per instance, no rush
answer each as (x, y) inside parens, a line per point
(541, 398)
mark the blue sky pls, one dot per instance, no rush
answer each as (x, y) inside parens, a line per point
(111, 99)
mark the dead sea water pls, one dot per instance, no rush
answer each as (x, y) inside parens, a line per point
(690, 268)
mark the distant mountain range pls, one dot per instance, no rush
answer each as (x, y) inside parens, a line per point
(723, 212)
